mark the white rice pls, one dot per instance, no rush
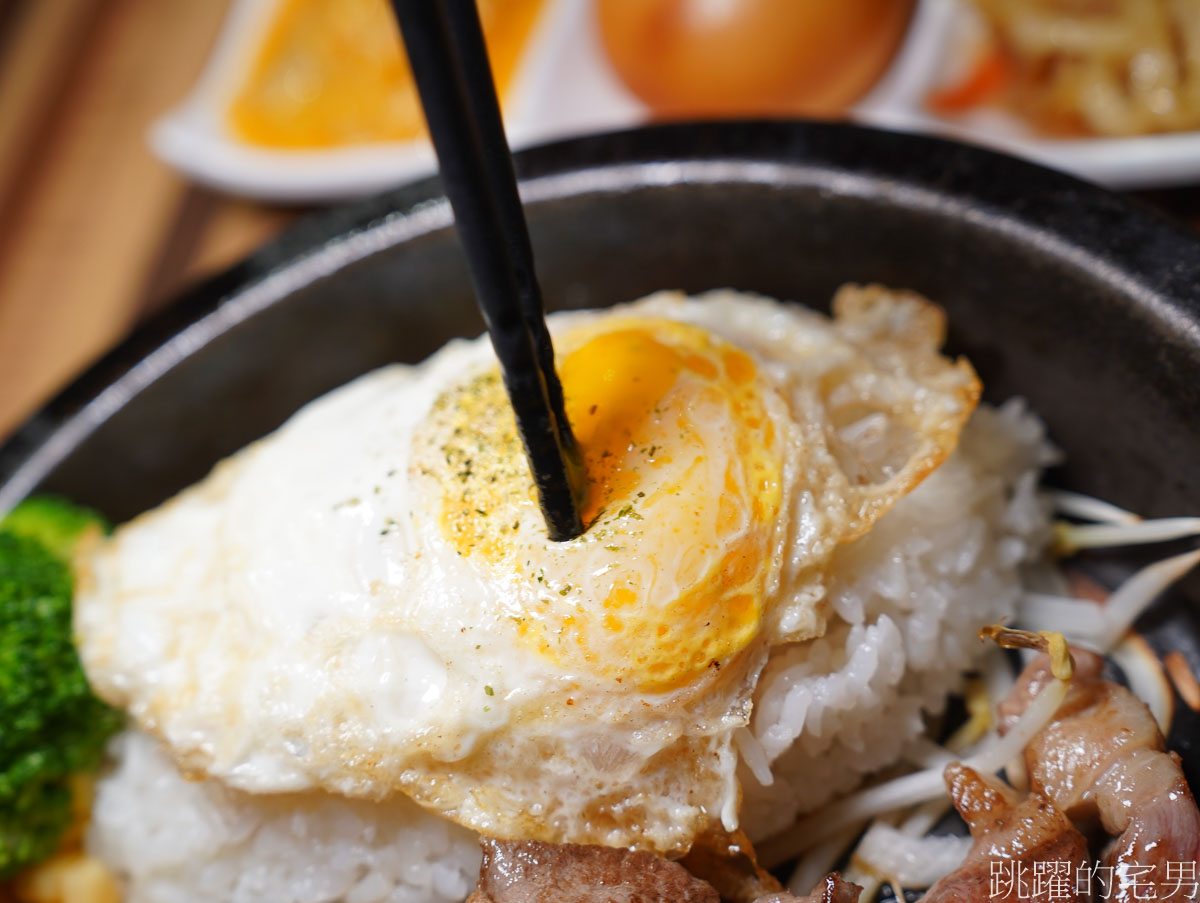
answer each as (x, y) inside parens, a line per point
(177, 841)
(907, 601)
(905, 604)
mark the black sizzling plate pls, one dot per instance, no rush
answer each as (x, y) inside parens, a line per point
(1068, 295)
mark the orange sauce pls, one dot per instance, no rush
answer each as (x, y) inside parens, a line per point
(333, 72)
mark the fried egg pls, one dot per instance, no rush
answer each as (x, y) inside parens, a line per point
(367, 602)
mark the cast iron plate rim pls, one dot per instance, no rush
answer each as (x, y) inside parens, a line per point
(1110, 234)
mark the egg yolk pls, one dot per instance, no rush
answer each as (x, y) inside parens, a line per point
(684, 489)
(334, 72)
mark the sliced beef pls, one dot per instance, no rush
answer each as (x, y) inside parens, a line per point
(535, 872)
(831, 889)
(1011, 835)
(1103, 755)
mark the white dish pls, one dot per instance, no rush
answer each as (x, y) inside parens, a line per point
(565, 87)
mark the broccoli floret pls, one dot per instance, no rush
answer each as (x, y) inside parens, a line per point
(51, 725)
(52, 521)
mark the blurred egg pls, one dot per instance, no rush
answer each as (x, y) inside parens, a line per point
(751, 57)
(334, 72)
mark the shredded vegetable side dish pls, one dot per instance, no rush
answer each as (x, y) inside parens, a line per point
(1086, 67)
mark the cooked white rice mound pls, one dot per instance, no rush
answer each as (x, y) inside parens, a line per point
(905, 601)
(179, 841)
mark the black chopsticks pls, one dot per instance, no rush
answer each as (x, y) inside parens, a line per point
(449, 60)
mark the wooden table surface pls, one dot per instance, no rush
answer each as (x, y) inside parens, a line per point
(95, 233)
